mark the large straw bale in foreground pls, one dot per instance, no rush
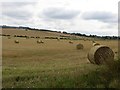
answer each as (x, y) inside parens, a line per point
(101, 54)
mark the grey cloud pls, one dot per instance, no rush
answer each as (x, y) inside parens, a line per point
(60, 13)
(17, 14)
(16, 10)
(16, 4)
(105, 17)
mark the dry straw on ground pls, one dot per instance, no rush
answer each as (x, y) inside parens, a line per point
(101, 54)
(79, 46)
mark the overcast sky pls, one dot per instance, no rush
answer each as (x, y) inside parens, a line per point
(98, 17)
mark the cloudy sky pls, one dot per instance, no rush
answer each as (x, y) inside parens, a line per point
(98, 17)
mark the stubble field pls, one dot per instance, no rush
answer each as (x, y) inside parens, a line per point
(50, 64)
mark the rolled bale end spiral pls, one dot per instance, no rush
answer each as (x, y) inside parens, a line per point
(16, 41)
(79, 46)
(101, 54)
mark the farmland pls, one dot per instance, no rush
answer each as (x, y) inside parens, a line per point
(50, 64)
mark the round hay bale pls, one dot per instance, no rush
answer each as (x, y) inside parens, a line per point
(39, 41)
(84, 39)
(9, 37)
(79, 46)
(95, 44)
(16, 41)
(27, 37)
(93, 41)
(101, 54)
(58, 39)
(116, 52)
(70, 42)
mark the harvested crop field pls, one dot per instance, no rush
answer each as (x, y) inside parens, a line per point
(51, 64)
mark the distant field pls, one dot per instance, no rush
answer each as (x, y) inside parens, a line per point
(34, 33)
(51, 64)
(41, 34)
